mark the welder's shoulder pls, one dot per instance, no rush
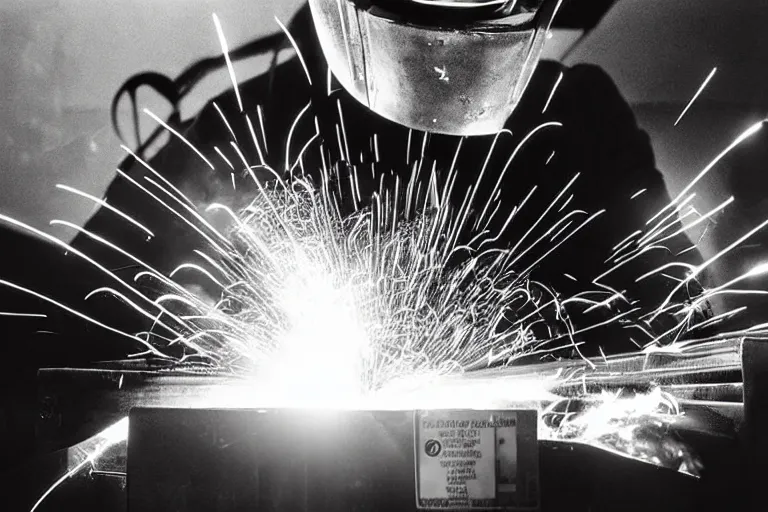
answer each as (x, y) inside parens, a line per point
(229, 120)
(584, 94)
(272, 98)
(590, 101)
(590, 74)
(592, 81)
(589, 91)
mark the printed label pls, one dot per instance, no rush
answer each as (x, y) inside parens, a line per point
(466, 459)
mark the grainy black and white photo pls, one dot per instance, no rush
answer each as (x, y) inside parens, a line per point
(383, 255)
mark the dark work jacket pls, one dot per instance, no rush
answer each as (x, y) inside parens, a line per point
(599, 139)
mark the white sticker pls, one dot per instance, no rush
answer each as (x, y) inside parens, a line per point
(465, 459)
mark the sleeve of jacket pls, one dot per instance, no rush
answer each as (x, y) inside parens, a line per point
(149, 192)
(620, 176)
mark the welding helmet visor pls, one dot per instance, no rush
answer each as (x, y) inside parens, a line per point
(456, 67)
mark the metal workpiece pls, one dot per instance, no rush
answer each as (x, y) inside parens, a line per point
(697, 387)
(440, 77)
(75, 404)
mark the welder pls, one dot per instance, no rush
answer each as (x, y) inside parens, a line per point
(426, 84)
(410, 82)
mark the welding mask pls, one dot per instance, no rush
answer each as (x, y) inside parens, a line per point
(457, 67)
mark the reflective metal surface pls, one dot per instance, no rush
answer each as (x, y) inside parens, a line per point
(78, 403)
